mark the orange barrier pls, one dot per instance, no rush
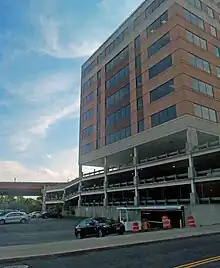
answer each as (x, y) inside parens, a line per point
(191, 222)
(166, 222)
(145, 226)
(135, 227)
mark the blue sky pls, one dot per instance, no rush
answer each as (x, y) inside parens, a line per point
(43, 44)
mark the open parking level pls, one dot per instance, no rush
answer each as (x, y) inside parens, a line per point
(37, 231)
(165, 254)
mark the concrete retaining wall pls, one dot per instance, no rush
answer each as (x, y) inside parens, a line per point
(205, 214)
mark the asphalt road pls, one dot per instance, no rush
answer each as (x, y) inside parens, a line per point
(159, 255)
(37, 231)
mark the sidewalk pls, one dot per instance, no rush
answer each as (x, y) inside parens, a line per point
(24, 252)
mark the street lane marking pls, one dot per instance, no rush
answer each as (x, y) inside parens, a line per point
(198, 263)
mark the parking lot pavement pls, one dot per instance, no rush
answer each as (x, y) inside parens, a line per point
(37, 231)
(165, 254)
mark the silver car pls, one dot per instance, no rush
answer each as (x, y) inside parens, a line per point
(13, 217)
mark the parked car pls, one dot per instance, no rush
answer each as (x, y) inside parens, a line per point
(35, 214)
(98, 227)
(13, 217)
(51, 214)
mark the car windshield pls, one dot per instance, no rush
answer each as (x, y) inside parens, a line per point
(2, 213)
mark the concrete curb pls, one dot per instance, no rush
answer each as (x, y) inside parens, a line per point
(95, 249)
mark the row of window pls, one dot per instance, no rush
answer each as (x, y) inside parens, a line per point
(158, 45)
(115, 117)
(152, 7)
(199, 5)
(162, 90)
(196, 40)
(192, 18)
(88, 115)
(200, 63)
(118, 96)
(88, 131)
(202, 87)
(88, 148)
(119, 135)
(124, 54)
(160, 67)
(88, 98)
(117, 77)
(205, 113)
(163, 116)
(157, 23)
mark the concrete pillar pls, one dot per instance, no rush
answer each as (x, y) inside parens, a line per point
(191, 143)
(191, 139)
(44, 198)
(136, 177)
(105, 201)
(80, 186)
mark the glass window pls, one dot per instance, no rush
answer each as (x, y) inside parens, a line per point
(124, 54)
(200, 63)
(118, 96)
(152, 7)
(162, 90)
(210, 12)
(163, 116)
(140, 104)
(159, 44)
(218, 71)
(139, 81)
(196, 40)
(99, 75)
(205, 113)
(140, 126)
(194, 19)
(138, 61)
(202, 87)
(213, 31)
(119, 135)
(137, 43)
(160, 67)
(157, 23)
(87, 148)
(117, 77)
(217, 51)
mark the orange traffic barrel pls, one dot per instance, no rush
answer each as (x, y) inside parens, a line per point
(135, 227)
(191, 222)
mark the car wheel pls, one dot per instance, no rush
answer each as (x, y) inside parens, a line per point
(78, 235)
(120, 233)
(100, 233)
(2, 222)
(34, 216)
(23, 221)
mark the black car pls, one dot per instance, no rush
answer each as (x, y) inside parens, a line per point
(98, 227)
(50, 214)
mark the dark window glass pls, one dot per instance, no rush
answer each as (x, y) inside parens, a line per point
(140, 104)
(117, 116)
(163, 116)
(99, 75)
(157, 23)
(162, 42)
(88, 98)
(217, 51)
(117, 77)
(160, 67)
(118, 96)
(88, 131)
(152, 7)
(139, 81)
(194, 19)
(87, 148)
(140, 126)
(137, 43)
(117, 59)
(119, 135)
(162, 91)
(88, 115)
(138, 61)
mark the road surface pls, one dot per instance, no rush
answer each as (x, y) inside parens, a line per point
(158, 255)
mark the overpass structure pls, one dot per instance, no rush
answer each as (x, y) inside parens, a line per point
(26, 188)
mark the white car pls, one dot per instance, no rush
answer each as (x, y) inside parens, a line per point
(13, 217)
(34, 214)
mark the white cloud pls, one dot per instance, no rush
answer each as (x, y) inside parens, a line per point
(49, 99)
(60, 167)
